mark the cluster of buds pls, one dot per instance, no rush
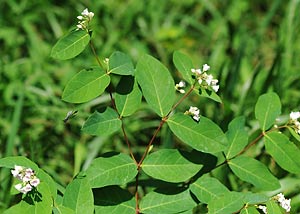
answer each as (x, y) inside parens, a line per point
(204, 79)
(27, 177)
(179, 87)
(294, 116)
(194, 112)
(283, 202)
(84, 19)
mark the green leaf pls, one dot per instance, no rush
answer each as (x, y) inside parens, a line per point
(283, 151)
(10, 162)
(113, 200)
(166, 202)
(128, 97)
(254, 172)
(34, 203)
(230, 202)
(102, 124)
(170, 165)
(249, 210)
(209, 94)
(208, 188)
(255, 198)
(184, 64)
(70, 45)
(267, 109)
(157, 84)
(294, 133)
(86, 85)
(79, 196)
(237, 137)
(273, 207)
(204, 136)
(111, 170)
(120, 63)
(62, 210)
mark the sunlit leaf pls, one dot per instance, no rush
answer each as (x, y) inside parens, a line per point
(208, 188)
(157, 84)
(283, 151)
(70, 45)
(79, 196)
(267, 109)
(204, 136)
(86, 85)
(230, 202)
(237, 137)
(102, 124)
(170, 165)
(249, 210)
(184, 65)
(254, 172)
(111, 170)
(166, 202)
(120, 63)
(273, 207)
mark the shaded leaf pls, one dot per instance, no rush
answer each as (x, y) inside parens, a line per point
(114, 200)
(102, 124)
(166, 202)
(157, 84)
(237, 137)
(204, 136)
(267, 109)
(207, 188)
(254, 172)
(283, 151)
(70, 45)
(79, 196)
(111, 170)
(170, 165)
(86, 85)
(120, 63)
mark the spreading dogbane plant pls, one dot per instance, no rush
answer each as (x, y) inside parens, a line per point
(161, 180)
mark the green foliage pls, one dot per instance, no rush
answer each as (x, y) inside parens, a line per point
(245, 56)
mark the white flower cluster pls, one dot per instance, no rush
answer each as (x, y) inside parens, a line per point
(84, 19)
(28, 178)
(284, 203)
(294, 116)
(204, 79)
(179, 87)
(194, 112)
(263, 208)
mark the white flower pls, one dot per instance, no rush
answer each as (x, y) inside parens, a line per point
(194, 112)
(35, 182)
(179, 87)
(284, 203)
(295, 115)
(27, 178)
(84, 19)
(16, 171)
(196, 71)
(263, 208)
(206, 67)
(215, 88)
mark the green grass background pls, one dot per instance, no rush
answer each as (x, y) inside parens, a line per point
(252, 47)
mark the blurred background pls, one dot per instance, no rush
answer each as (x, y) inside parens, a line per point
(252, 47)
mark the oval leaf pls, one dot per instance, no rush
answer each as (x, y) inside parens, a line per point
(267, 109)
(102, 124)
(230, 202)
(86, 85)
(79, 196)
(120, 63)
(157, 84)
(113, 200)
(207, 188)
(166, 202)
(237, 137)
(204, 136)
(209, 94)
(113, 170)
(128, 97)
(283, 151)
(184, 64)
(170, 165)
(254, 172)
(273, 207)
(249, 210)
(70, 45)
